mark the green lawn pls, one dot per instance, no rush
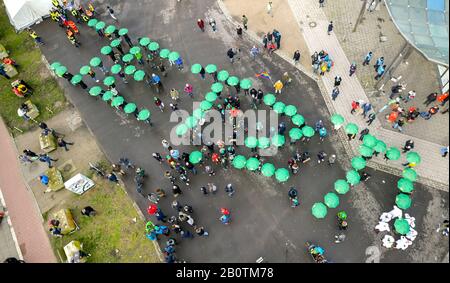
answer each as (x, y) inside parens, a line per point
(47, 94)
(110, 230)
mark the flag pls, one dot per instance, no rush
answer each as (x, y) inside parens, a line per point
(264, 75)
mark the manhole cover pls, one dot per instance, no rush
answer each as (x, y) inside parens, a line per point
(67, 167)
(313, 24)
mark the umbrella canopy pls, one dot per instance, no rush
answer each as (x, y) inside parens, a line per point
(205, 105)
(282, 174)
(173, 56)
(308, 131)
(153, 46)
(123, 31)
(115, 43)
(152, 209)
(295, 134)
(269, 99)
(279, 107)
(365, 151)
(196, 68)
(129, 70)
(195, 157)
(342, 215)
(239, 162)
(164, 53)
(331, 200)
(95, 91)
(95, 62)
(351, 129)
(130, 108)
(251, 142)
(61, 70)
(107, 96)
(263, 142)
(76, 79)
(109, 81)
(246, 84)
(233, 81)
(380, 147)
(181, 130)
(191, 122)
(110, 29)
(211, 68)
(405, 185)
(198, 113)
(135, 50)
(393, 153)
(341, 187)
(115, 69)
(403, 201)
(370, 140)
(319, 210)
(92, 23)
(211, 97)
(144, 42)
(85, 70)
(127, 58)
(278, 140)
(401, 226)
(217, 87)
(337, 120)
(144, 115)
(100, 25)
(290, 110)
(139, 75)
(410, 174)
(298, 120)
(358, 163)
(268, 169)
(223, 75)
(413, 157)
(117, 101)
(353, 177)
(55, 65)
(252, 164)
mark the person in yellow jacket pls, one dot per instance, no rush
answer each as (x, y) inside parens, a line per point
(34, 36)
(278, 86)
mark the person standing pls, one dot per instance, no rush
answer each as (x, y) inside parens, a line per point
(335, 93)
(337, 81)
(188, 89)
(332, 159)
(265, 41)
(158, 103)
(363, 133)
(111, 13)
(230, 190)
(411, 96)
(321, 3)
(431, 98)
(254, 52)
(230, 54)
(62, 143)
(366, 108)
(174, 94)
(201, 24)
(213, 24)
(321, 156)
(409, 144)
(372, 117)
(368, 58)
(444, 151)
(330, 27)
(277, 36)
(269, 9)
(239, 31)
(202, 73)
(278, 87)
(296, 57)
(35, 36)
(352, 69)
(380, 72)
(244, 22)
(158, 157)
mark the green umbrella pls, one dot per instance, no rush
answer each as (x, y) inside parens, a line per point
(130, 108)
(173, 56)
(403, 201)
(351, 129)
(233, 81)
(342, 215)
(123, 31)
(269, 99)
(181, 130)
(61, 70)
(144, 115)
(365, 151)
(380, 147)
(239, 162)
(205, 105)
(95, 62)
(109, 81)
(211, 97)
(223, 75)
(115, 69)
(76, 79)
(278, 140)
(341, 187)
(196, 68)
(278, 107)
(263, 142)
(55, 65)
(164, 53)
(319, 210)
(110, 29)
(127, 58)
(405, 185)
(308, 131)
(251, 142)
(154, 46)
(191, 122)
(337, 120)
(295, 134)
(393, 153)
(115, 43)
(139, 75)
(413, 157)
(107, 96)
(117, 101)
(352, 177)
(282, 174)
(298, 120)
(198, 113)
(129, 70)
(401, 226)
(100, 25)
(92, 23)
(268, 169)
(370, 140)
(410, 174)
(135, 50)
(358, 163)
(95, 91)
(144, 42)
(331, 200)
(252, 164)
(290, 110)
(217, 87)
(246, 84)
(211, 68)
(195, 157)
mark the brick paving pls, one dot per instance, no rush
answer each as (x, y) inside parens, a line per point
(23, 212)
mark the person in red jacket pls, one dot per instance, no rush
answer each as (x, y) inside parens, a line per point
(355, 105)
(443, 98)
(201, 24)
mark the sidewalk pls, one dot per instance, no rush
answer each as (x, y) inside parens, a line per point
(22, 208)
(8, 244)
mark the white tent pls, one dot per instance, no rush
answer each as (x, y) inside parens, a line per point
(24, 13)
